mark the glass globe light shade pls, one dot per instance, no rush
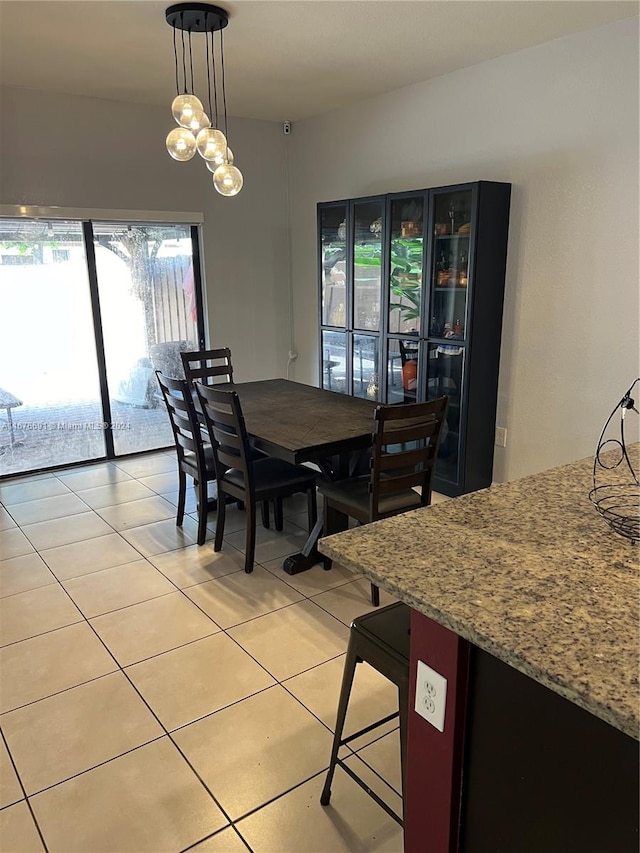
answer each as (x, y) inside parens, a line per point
(212, 165)
(181, 144)
(211, 143)
(183, 107)
(228, 180)
(199, 120)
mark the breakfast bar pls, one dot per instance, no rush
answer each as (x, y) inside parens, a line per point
(527, 603)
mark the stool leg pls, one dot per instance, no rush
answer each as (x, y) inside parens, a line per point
(345, 691)
(403, 704)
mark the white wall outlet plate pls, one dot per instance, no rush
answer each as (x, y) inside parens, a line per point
(431, 695)
(501, 436)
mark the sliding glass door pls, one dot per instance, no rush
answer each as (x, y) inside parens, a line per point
(50, 412)
(89, 310)
(148, 305)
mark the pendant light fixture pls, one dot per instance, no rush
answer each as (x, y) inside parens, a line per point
(199, 131)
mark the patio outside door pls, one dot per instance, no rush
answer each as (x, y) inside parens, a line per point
(89, 311)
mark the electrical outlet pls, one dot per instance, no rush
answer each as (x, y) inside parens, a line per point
(501, 436)
(431, 695)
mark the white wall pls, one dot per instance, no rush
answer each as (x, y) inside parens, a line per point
(72, 151)
(559, 122)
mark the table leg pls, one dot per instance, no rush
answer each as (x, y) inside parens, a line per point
(309, 555)
(336, 468)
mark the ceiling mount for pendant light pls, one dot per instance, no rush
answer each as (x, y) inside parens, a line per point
(199, 131)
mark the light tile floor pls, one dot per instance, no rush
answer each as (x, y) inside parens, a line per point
(154, 697)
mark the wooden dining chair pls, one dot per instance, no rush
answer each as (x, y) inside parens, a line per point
(209, 366)
(243, 478)
(213, 367)
(405, 444)
(194, 458)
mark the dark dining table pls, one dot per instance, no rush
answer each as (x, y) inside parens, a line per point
(300, 423)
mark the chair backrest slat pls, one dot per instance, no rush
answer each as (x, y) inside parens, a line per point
(396, 467)
(406, 459)
(400, 483)
(208, 366)
(411, 432)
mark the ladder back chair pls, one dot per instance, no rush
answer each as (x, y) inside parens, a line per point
(194, 458)
(242, 477)
(213, 367)
(405, 444)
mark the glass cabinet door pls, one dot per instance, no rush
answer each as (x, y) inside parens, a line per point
(366, 360)
(333, 265)
(405, 265)
(334, 361)
(445, 377)
(403, 360)
(367, 264)
(450, 265)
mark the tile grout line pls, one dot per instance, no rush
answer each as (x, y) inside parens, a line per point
(26, 798)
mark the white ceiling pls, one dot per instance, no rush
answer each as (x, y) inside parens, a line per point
(285, 59)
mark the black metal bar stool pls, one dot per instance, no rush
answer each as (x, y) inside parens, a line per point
(381, 639)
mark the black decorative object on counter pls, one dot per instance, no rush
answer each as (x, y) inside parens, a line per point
(618, 502)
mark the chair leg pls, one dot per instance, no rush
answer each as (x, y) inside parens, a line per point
(278, 515)
(350, 663)
(375, 595)
(328, 518)
(182, 495)
(203, 498)
(312, 507)
(220, 519)
(250, 541)
(265, 514)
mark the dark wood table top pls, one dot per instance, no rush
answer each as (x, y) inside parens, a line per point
(300, 423)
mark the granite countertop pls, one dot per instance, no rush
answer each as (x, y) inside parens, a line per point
(527, 571)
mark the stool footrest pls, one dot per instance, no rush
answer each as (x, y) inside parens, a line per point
(370, 728)
(370, 791)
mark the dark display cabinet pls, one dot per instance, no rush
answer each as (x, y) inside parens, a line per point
(411, 297)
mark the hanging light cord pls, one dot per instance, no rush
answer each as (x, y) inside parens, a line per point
(214, 122)
(224, 90)
(215, 77)
(184, 65)
(191, 63)
(175, 58)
